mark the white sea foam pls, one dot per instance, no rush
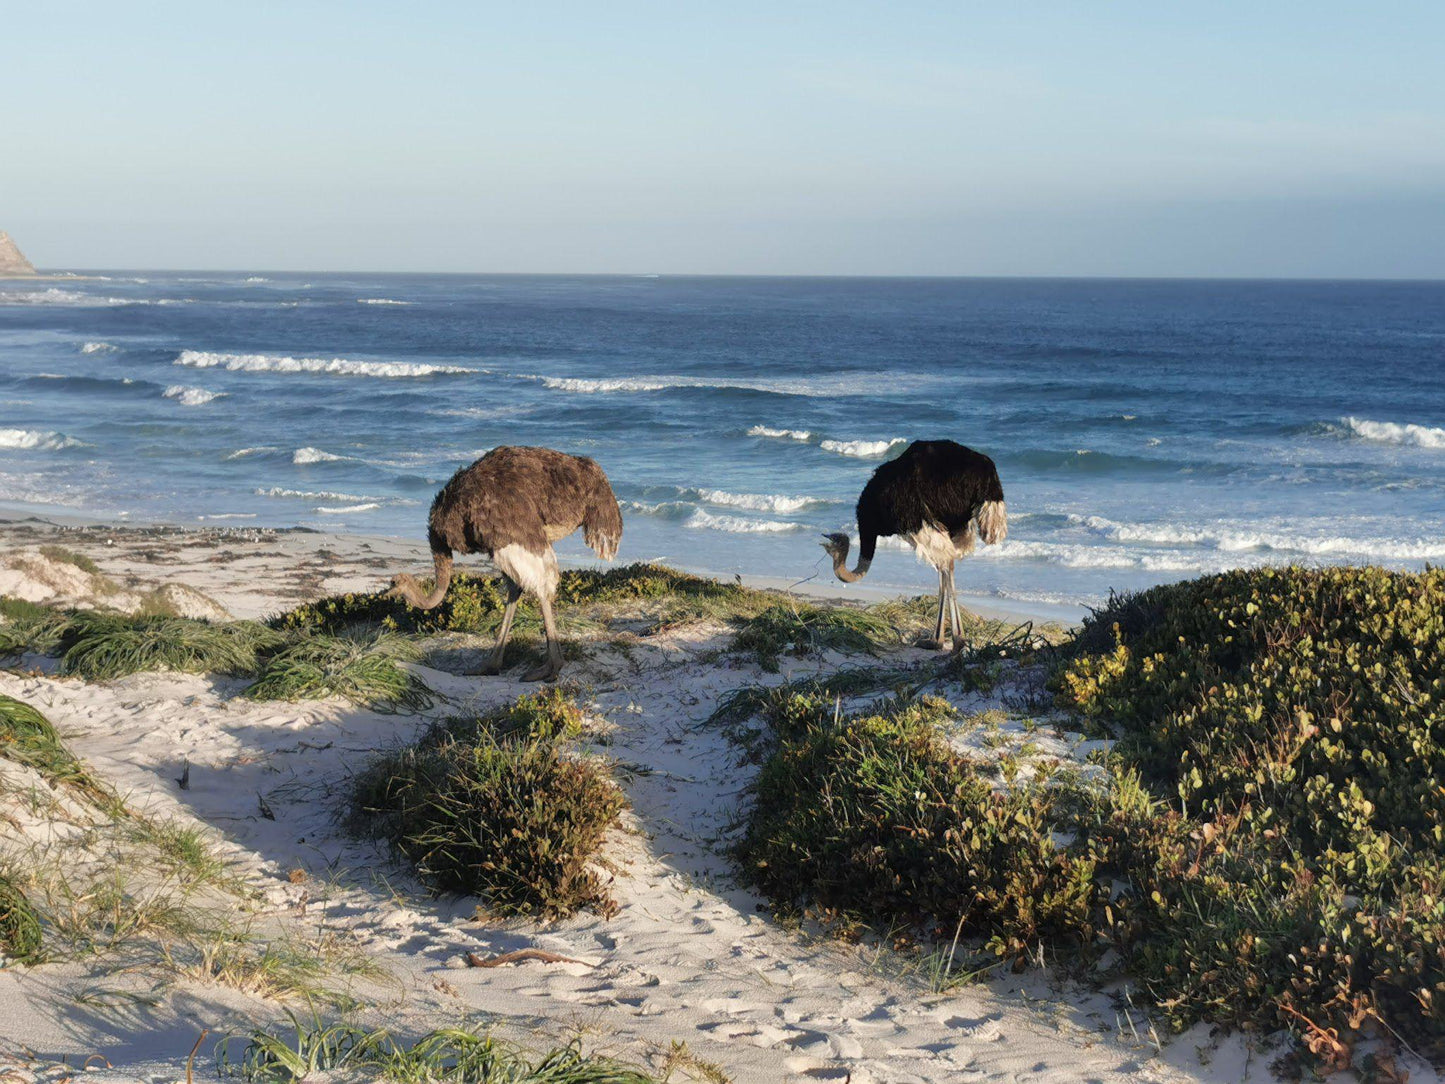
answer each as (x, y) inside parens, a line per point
(738, 525)
(1287, 543)
(256, 278)
(313, 495)
(862, 449)
(758, 502)
(98, 348)
(230, 515)
(34, 438)
(303, 456)
(780, 434)
(341, 510)
(380, 301)
(819, 387)
(242, 453)
(51, 296)
(271, 363)
(1407, 433)
(191, 396)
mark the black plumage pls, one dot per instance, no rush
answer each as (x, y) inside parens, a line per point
(939, 496)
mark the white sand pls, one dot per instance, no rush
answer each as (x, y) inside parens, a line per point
(690, 957)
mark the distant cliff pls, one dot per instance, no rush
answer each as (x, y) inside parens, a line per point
(12, 261)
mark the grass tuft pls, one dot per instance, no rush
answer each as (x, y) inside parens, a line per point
(100, 646)
(804, 629)
(457, 1055)
(363, 668)
(20, 930)
(27, 737)
(496, 806)
(70, 557)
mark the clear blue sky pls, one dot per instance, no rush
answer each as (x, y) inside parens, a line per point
(1222, 138)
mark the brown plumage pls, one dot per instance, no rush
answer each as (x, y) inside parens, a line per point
(940, 497)
(511, 505)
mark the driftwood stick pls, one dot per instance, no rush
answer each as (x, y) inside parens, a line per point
(521, 955)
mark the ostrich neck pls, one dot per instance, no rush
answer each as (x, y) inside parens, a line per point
(842, 571)
(443, 563)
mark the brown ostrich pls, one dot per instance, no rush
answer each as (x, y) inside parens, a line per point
(940, 497)
(511, 505)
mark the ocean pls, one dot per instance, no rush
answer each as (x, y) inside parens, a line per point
(1145, 430)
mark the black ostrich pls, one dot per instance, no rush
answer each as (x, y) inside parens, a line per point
(939, 496)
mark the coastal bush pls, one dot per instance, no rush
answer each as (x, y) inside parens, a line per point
(457, 1055)
(99, 646)
(20, 930)
(363, 668)
(1264, 849)
(495, 805)
(878, 818)
(1298, 716)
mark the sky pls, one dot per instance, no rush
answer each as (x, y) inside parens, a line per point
(904, 138)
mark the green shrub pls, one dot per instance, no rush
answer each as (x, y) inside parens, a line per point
(361, 668)
(1315, 697)
(1265, 849)
(70, 557)
(877, 817)
(1298, 716)
(495, 806)
(99, 646)
(20, 931)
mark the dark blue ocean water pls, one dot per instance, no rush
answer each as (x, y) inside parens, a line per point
(1144, 430)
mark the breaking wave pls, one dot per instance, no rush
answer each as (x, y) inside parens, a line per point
(738, 525)
(312, 495)
(1224, 540)
(780, 434)
(271, 363)
(303, 456)
(26, 439)
(341, 510)
(862, 449)
(758, 502)
(98, 348)
(191, 396)
(1405, 433)
(380, 301)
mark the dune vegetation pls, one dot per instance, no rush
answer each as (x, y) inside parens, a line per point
(1265, 844)
(457, 1055)
(498, 805)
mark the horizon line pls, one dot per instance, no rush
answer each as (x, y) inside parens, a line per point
(45, 273)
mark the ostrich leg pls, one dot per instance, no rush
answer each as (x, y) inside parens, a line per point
(937, 642)
(494, 665)
(954, 613)
(553, 666)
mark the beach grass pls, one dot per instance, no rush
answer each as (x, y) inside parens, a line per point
(100, 646)
(20, 931)
(364, 668)
(500, 806)
(456, 1055)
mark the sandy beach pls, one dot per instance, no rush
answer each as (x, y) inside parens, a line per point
(690, 958)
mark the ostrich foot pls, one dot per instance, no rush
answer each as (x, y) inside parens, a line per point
(547, 671)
